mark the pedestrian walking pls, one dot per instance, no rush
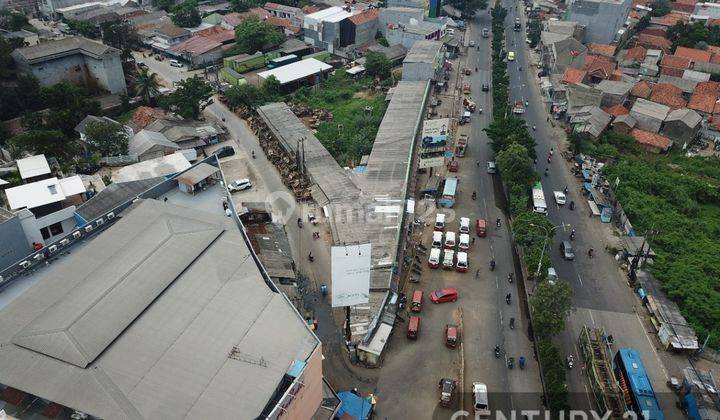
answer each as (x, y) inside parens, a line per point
(477, 163)
(473, 240)
(477, 273)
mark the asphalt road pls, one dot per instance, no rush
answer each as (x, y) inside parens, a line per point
(602, 297)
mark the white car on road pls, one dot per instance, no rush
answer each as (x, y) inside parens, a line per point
(559, 197)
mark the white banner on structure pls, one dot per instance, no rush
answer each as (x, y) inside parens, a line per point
(350, 269)
(431, 162)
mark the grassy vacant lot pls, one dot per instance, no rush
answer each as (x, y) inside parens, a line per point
(679, 197)
(357, 114)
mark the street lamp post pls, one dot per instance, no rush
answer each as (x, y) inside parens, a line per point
(542, 252)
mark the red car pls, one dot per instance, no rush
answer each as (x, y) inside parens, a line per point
(443, 295)
(453, 166)
(452, 335)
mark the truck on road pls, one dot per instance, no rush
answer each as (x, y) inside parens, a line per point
(518, 108)
(461, 145)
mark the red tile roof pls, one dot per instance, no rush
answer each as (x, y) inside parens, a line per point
(671, 19)
(667, 94)
(602, 49)
(652, 41)
(234, 19)
(217, 33)
(364, 17)
(599, 66)
(713, 22)
(674, 65)
(687, 6)
(708, 87)
(312, 8)
(638, 54)
(715, 121)
(693, 54)
(650, 139)
(573, 76)
(660, 31)
(617, 110)
(196, 45)
(260, 12)
(641, 89)
(703, 102)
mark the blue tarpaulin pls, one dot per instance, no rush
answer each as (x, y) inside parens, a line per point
(357, 408)
(588, 186)
(586, 174)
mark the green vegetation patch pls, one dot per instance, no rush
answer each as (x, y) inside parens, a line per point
(356, 115)
(678, 198)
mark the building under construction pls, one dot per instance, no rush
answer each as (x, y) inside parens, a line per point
(595, 351)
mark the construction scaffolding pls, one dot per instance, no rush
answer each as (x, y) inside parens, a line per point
(596, 354)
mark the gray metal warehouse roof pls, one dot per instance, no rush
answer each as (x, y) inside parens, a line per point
(141, 323)
(423, 51)
(321, 166)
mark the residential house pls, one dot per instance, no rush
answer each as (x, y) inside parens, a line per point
(668, 94)
(669, 20)
(693, 55)
(148, 145)
(204, 47)
(705, 12)
(604, 50)
(650, 141)
(617, 110)
(77, 60)
(705, 98)
(603, 19)
(406, 34)
(683, 6)
(81, 127)
(293, 14)
(589, 121)
(613, 92)
(598, 68)
(46, 208)
(324, 29)
(28, 38)
(642, 89)
(623, 124)
(580, 96)
(424, 61)
(165, 166)
(559, 56)
(686, 85)
(186, 134)
(394, 53)
(682, 125)
(573, 76)
(165, 36)
(649, 115)
(696, 76)
(33, 168)
(363, 27)
(566, 27)
(231, 20)
(654, 42)
(674, 65)
(307, 72)
(15, 243)
(393, 16)
(649, 67)
(632, 57)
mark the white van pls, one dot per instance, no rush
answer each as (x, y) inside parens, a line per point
(462, 262)
(480, 399)
(448, 259)
(464, 225)
(434, 260)
(464, 241)
(437, 239)
(175, 63)
(440, 221)
(450, 240)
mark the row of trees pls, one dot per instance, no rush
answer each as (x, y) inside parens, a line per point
(694, 35)
(514, 150)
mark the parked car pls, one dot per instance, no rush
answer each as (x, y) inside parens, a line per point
(559, 197)
(240, 185)
(448, 259)
(480, 399)
(463, 243)
(434, 259)
(472, 43)
(453, 166)
(481, 227)
(566, 250)
(449, 240)
(416, 305)
(447, 391)
(551, 275)
(452, 335)
(413, 327)
(464, 225)
(485, 87)
(175, 63)
(462, 262)
(437, 239)
(444, 295)
(440, 221)
(224, 151)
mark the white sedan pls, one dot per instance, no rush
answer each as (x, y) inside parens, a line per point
(240, 185)
(559, 197)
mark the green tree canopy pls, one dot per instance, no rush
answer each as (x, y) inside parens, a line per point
(509, 130)
(660, 8)
(246, 94)
(106, 138)
(550, 305)
(186, 14)
(377, 65)
(252, 34)
(271, 88)
(515, 165)
(12, 20)
(147, 86)
(165, 5)
(120, 35)
(188, 97)
(467, 7)
(49, 142)
(83, 28)
(68, 106)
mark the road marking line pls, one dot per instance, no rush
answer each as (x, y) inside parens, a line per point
(580, 279)
(652, 346)
(591, 317)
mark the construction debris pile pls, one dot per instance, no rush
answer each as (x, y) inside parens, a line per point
(313, 117)
(285, 162)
